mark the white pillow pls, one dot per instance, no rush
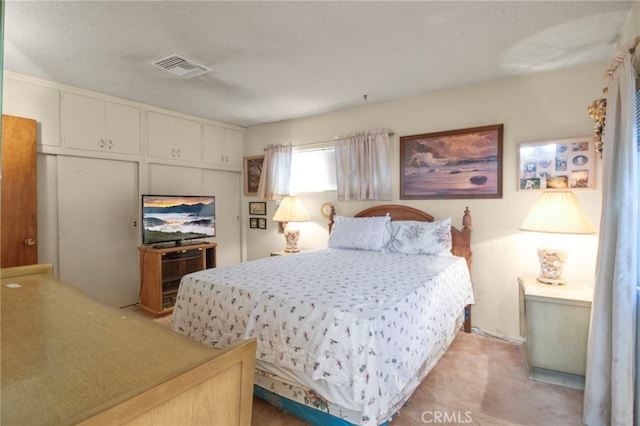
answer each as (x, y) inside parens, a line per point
(413, 237)
(359, 233)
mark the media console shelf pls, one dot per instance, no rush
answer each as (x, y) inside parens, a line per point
(161, 270)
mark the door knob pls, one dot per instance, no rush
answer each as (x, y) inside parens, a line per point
(29, 242)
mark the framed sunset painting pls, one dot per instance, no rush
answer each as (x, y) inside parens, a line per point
(465, 163)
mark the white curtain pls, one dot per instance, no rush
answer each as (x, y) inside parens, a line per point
(610, 380)
(363, 166)
(276, 172)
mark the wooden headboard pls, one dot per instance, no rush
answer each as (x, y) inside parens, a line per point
(460, 238)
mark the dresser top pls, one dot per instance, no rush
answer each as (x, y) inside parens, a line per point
(570, 293)
(66, 357)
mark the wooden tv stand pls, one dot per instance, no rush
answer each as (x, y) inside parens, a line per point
(162, 268)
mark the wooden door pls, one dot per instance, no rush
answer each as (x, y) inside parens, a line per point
(18, 204)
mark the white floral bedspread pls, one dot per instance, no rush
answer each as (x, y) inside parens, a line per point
(361, 320)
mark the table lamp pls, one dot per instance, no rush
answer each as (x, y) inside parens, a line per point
(290, 211)
(556, 212)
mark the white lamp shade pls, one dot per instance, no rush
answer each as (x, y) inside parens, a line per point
(291, 209)
(558, 212)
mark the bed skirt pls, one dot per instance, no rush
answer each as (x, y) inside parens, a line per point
(308, 405)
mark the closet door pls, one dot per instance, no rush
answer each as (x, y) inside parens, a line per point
(98, 233)
(226, 187)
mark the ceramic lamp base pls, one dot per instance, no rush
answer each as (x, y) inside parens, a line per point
(551, 264)
(550, 281)
(291, 234)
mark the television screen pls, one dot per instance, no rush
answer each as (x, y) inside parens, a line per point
(175, 218)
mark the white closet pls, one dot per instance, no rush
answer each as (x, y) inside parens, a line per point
(96, 153)
(226, 187)
(97, 218)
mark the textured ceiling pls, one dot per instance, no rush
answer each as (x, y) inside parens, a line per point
(273, 61)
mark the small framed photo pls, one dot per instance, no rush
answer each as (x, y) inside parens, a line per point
(253, 222)
(257, 208)
(556, 164)
(252, 172)
(262, 223)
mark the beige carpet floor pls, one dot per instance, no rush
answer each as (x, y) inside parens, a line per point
(480, 380)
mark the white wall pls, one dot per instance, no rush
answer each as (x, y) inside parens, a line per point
(532, 108)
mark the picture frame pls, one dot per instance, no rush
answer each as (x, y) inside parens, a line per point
(464, 163)
(262, 223)
(252, 172)
(258, 208)
(560, 164)
(253, 222)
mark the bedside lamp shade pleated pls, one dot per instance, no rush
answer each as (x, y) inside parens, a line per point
(557, 212)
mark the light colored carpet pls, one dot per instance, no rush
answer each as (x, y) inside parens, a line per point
(480, 380)
(484, 381)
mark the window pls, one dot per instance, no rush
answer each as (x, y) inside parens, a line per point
(313, 170)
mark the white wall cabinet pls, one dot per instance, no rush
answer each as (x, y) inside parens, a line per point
(98, 125)
(223, 147)
(35, 101)
(174, 138)
(88, 188)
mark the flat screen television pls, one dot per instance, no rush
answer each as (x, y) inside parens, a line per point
(177, 218)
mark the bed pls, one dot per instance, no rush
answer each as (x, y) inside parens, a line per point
(345, 333)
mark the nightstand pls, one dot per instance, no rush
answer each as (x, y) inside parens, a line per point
(554, 320)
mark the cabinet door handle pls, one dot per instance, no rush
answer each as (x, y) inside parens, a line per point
(179, 153)
(222, 158)
(226, 158)
(173, 152)
(101, 143)
(29, 242)
(110, 144)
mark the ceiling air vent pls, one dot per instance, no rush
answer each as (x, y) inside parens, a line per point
(180, 66)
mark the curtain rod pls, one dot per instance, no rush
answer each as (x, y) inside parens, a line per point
(617, 60)
(635, 44)
(335, 138)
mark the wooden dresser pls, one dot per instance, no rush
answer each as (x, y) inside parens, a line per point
(67, 359)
